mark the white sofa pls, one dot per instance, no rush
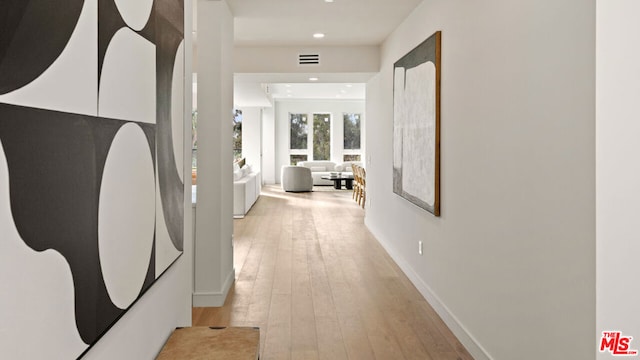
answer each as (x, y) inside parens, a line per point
(320, 168)
(246, 190)
(346, 166)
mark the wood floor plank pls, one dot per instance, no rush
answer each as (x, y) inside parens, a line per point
(303, 327)
(320, 286)
(330, 341)
(278, 331)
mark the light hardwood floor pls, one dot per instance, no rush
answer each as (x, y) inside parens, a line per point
(320, 286)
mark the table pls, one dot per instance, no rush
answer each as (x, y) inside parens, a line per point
(205, 343)
(337, 181)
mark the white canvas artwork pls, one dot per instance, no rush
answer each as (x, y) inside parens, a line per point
(416, 126)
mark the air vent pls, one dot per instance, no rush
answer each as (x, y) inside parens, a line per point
(309, 59)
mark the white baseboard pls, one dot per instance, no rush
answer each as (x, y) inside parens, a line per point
(468, 341)
(214, 299)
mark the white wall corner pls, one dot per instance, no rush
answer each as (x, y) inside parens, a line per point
(462, 334)
(214, 299)
(189, 233)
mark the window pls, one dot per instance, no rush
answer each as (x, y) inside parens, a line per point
(294, 159)
(352, 136)
(237, 134)
(299, 131)
(311, 137)
(321, 136)
(352, 131)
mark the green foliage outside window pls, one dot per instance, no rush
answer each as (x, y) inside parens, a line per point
(321, 136)
(299, 131)
(294, 159)
(352, 131)
(237, 134)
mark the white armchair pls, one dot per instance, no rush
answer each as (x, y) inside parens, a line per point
(296, 179)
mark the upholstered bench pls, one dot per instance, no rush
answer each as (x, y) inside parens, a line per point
(205, 343)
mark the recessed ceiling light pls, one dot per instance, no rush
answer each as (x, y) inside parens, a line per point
(328, 1)
(348, 85)
(288, 85)
(318, 35)
(313, 79)
(343, 91)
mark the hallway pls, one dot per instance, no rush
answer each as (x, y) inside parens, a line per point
(319, 286)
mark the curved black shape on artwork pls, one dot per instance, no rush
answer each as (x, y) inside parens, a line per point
(34, 34)
(109, 22)
(169, 35)
(55, 175)
(165, 30)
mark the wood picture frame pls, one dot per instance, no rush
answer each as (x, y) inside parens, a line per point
(416, 125)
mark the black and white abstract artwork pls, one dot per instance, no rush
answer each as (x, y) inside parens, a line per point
(91, 166)
(416, 125)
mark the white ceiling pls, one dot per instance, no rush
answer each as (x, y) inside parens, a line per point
(318, 91)
(249, 89)
(293, 22)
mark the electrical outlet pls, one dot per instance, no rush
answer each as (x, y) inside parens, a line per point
(420, 247)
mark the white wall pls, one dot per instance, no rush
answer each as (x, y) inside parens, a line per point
(214, 271)
(618, 173)
(510, 264)
(252, 136)
(268, 146)
(335, 107)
